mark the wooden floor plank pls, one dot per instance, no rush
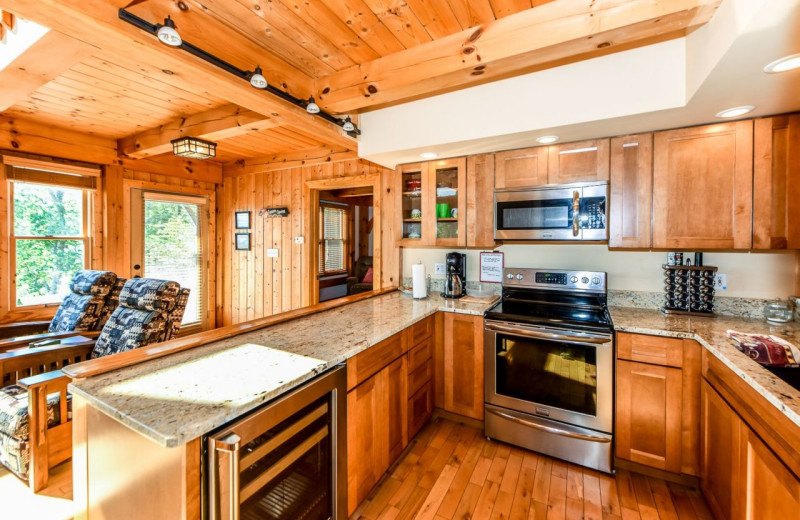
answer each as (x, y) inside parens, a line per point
(593, 505)
(521, 504)
(557, 499)
(574, 482)
(608, 495)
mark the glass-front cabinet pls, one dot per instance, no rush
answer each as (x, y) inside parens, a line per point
(433, 203)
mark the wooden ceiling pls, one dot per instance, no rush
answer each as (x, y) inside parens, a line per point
(95, 74)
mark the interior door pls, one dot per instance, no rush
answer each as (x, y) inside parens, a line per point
(169, 241)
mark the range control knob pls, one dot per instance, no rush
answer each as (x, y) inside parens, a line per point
(510, 276)
(585, 279)
(596, 280)
(519, 277)
(574, 279)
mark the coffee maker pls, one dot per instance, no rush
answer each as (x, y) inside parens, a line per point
(455, 284)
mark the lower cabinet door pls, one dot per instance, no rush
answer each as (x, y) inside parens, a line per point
(367, 438)
(396, 403)
(462, 362)
(720, 463)
(420, 408)
(767, 488)
(649, 415)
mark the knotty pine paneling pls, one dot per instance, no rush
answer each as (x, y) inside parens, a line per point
(251, 285)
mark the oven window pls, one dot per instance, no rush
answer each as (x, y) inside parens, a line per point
(550, 373)
(537, 214)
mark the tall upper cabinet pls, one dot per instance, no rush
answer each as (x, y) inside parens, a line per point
(703, 185)
(776, 192)
(631, 191)
(581, 161)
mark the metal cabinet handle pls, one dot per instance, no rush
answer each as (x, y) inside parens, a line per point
(576, 212)
(228, 448)
(548, 429)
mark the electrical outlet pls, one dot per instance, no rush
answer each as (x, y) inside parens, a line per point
(439, 269)
(298, 240)
(272, 253)
(720, 281)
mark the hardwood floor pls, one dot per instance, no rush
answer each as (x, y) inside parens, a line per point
(52, 503)
(452, 472)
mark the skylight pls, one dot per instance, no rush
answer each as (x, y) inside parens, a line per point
(25, 34)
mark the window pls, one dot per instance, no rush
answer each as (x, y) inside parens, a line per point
(333, 239)
(49, 240)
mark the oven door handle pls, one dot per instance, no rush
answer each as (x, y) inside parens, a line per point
(553, 336)
(548, 429)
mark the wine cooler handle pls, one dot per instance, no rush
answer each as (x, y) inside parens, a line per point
(227, 455)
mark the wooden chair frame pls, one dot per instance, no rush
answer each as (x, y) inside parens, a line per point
(25, 341)
(23, 328)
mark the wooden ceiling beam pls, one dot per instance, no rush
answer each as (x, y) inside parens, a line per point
(216, 124)
(96, 22)
(281, 161)
(49, 57)
(547, 35)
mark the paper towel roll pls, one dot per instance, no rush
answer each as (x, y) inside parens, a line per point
(419, 287)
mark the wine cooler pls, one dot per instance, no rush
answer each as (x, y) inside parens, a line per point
(285, 460)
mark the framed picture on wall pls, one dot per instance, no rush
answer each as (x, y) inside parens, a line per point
(243, 241)
(243, 220)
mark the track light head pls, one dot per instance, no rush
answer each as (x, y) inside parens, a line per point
(348, 125)
(312, 107)
(257, 79)
(168, 35)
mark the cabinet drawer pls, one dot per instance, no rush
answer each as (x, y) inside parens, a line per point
(419, 377)
(420, 331)
(372, 360)
(420, 409)
(420, 354)
(656, 350)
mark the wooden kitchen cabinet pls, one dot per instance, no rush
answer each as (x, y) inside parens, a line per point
(703, 187)
(581, 161)
(460, 364)
(631, 186)
(721, 428)
(480, 201)
(658, 402)
(396, 410)
(367, 438)
(520, 168)
(776, 186)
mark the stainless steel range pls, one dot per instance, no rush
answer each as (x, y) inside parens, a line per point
(550, 365)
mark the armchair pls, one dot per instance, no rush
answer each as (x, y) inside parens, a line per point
(356, 283)
(35, 407)
(93, 297)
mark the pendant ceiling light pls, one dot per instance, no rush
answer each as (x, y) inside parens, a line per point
(257, 79)
(194, 148)
(168, 35)
(312, 107)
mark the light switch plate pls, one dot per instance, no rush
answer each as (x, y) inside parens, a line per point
(299, 240)
(720, 281)
(272, 253)
(439, 269)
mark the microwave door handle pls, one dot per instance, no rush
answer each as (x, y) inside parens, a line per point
(576, 211)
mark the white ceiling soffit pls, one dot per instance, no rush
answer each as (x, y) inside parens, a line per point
(670, 84)
(15, 42)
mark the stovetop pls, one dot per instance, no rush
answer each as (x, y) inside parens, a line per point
(554, 299)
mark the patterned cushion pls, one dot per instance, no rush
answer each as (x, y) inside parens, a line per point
(149, 294)
(111, 303)
(128, 329)
(81, 308)
(176, 316)
(14, 446)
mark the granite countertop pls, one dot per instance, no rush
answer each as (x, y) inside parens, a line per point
(175, 399)
(711, 333)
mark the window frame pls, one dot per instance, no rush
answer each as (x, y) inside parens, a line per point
(345, 209)
(85, 238)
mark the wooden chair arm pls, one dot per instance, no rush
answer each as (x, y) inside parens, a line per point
(24, 341)
(23, 363)
(53, 380)
(22, 328)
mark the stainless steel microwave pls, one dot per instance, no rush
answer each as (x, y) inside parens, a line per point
(564, 212)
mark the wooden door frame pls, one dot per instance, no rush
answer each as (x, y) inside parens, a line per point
(311, 191)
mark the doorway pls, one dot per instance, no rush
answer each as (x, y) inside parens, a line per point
(345, 242)
(169, 241)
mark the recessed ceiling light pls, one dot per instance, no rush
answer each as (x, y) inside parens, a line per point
(429, 155)
(783, 64)
(736, 111)
(547, 139)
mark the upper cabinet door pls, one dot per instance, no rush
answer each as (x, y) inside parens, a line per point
(414, 204)
(447, 187)
(631, 191)
(520, 168)
(480, 201)
(776, 191)
(703, 186)
(582, 161)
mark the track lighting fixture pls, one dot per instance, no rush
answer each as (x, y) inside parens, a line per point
(257, 79)
(168, 35)
(312, 107)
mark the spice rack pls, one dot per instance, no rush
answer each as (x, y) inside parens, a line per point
(689, 290)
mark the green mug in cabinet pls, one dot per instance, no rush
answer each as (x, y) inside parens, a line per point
(443, 210)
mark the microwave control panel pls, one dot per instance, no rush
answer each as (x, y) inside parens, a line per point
(593, 213)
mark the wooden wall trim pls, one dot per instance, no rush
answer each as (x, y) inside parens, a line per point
(94, 367)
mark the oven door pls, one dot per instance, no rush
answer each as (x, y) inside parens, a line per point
(562, 375)
(574, 212)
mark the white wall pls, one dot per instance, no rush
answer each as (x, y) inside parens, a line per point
(750, 275)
